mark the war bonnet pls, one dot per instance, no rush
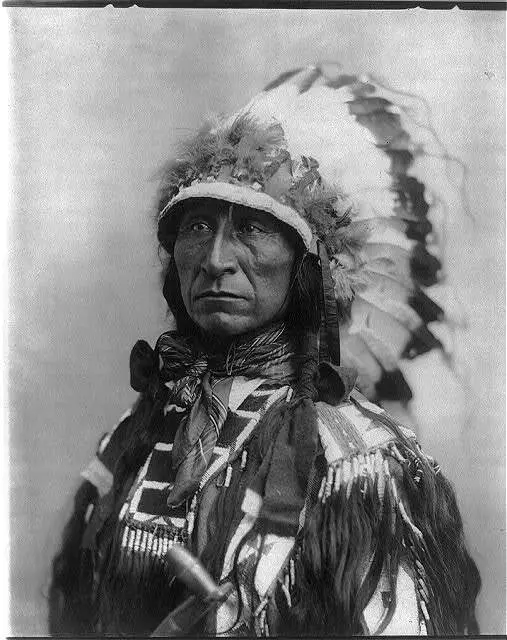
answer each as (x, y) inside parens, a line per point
(329, 155)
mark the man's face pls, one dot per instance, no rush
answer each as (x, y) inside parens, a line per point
(234, 264)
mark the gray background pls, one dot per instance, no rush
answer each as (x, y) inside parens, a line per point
(99, 98)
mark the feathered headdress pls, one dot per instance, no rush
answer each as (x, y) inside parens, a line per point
(331, 155)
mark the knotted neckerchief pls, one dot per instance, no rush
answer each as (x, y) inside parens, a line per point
(200, 382)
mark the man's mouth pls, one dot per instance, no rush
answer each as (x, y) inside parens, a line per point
(217, 294)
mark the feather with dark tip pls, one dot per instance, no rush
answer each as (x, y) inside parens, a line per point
(422, 341)
(410, 193)
(386, 128)
(342, 80)
(313, 75)
(428, 310)
(393, 386)
(282, 78)
(424, 266)
(401, 160)
(399, 311)
(418, 230)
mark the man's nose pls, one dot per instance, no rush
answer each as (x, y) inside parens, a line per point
(221, 252)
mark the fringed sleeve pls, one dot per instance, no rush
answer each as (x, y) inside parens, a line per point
(382, 549)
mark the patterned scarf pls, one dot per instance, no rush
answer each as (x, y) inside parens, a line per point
(269, 354)
(200, 383)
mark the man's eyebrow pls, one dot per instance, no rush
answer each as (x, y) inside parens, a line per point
(197, 212)
(263, 217)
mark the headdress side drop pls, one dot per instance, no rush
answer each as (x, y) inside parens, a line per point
(332, 155)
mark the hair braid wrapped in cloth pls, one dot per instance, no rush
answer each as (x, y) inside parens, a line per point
(292, 449)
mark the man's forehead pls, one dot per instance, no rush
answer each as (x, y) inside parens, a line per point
(212, 207)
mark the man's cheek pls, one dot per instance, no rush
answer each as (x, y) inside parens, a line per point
(185, 284)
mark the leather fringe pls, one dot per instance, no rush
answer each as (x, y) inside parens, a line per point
(361, 513)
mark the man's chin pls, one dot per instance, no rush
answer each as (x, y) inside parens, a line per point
(223, 324)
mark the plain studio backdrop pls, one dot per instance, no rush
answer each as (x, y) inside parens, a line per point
(100, 98)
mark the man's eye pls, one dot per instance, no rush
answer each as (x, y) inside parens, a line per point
(250, 227)
(197, 226)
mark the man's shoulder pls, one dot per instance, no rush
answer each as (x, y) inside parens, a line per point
(357, 426)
